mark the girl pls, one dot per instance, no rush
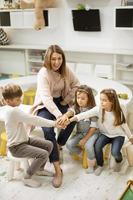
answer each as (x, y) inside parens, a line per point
(86, 133)
(112, 125)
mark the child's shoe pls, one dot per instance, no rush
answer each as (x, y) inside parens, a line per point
(117, 167)
(99, 170)
(31, 183)
(89, 170)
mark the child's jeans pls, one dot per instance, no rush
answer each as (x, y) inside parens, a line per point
(89, 145)
(117, 143)
(37, 148)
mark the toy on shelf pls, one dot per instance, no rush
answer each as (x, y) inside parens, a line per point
(39, 6)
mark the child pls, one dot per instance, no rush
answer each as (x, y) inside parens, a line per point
(112, 125)
(86, 133)
(19, 144)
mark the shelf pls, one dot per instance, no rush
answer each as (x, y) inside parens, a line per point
(126, 82)
(36, 61)
(124, 69)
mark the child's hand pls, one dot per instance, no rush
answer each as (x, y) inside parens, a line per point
(73, 119)
(131, 140)
(57, 125)
(62, 120)
(81, 143)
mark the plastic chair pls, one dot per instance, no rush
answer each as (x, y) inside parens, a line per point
(29, 96)
(13, 162)
(3, 144)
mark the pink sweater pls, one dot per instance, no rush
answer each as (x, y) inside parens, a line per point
(50, 84)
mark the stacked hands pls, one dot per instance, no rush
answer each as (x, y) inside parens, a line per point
(64, 121)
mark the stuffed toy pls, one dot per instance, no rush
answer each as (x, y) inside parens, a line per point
(3, 37)
(39, 6)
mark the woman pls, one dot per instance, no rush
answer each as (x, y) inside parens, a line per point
(56, 85)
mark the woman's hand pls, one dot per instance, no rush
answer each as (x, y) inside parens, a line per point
(63, 121)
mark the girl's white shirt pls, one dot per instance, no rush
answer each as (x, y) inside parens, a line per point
(107, 127)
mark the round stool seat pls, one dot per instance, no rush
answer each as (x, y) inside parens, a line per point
(3, 144)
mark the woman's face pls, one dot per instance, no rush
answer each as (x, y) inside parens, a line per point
(105, 103)
(56, 61)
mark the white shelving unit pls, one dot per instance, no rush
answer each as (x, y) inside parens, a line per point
(25, 18)
(124, 69)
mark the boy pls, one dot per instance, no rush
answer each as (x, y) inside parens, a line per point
(19, 144)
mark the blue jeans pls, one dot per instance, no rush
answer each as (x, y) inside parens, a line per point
(50, 134)
(89, 145)
(117, 143)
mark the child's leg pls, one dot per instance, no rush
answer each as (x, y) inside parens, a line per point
(98, 147)
(117, 144)
(89, 146)
(32, 150)
(73, 142)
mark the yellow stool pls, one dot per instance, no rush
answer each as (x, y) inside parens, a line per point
(29, 96)
(3, 144)
(106, 153)
(84, 159)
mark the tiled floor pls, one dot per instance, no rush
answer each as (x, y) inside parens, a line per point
(77, 185)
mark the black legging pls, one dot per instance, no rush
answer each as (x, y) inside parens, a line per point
(50, 134)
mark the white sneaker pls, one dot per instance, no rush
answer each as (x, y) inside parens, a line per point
(44, 173)
(98, 171)
(90, 170)
(31, 183)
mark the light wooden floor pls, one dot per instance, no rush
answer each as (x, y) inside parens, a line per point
(77, 185)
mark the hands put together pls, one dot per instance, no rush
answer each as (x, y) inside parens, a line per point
(64, 121)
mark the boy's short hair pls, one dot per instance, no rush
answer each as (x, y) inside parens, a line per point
(11, 91)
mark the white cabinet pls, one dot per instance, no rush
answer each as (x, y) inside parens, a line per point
(34, 59)
(25, 18)
(12, 62)
(124, 69)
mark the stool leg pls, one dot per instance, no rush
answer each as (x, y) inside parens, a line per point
(84, 161)
(11, 168)
(25, 165)
(3, 148)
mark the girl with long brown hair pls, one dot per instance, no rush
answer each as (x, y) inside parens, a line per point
(112, 126)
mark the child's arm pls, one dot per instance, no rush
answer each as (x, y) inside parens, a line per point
(127, 132)
(86, 137)
(85, 115)
(21, 116)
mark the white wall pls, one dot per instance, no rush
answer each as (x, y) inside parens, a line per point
(64, 34)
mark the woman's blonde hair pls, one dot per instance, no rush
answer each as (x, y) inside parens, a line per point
(47, 58)
(11, 91)
(89, 92)
(116, 109)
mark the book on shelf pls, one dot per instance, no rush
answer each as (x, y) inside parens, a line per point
(126, 65)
